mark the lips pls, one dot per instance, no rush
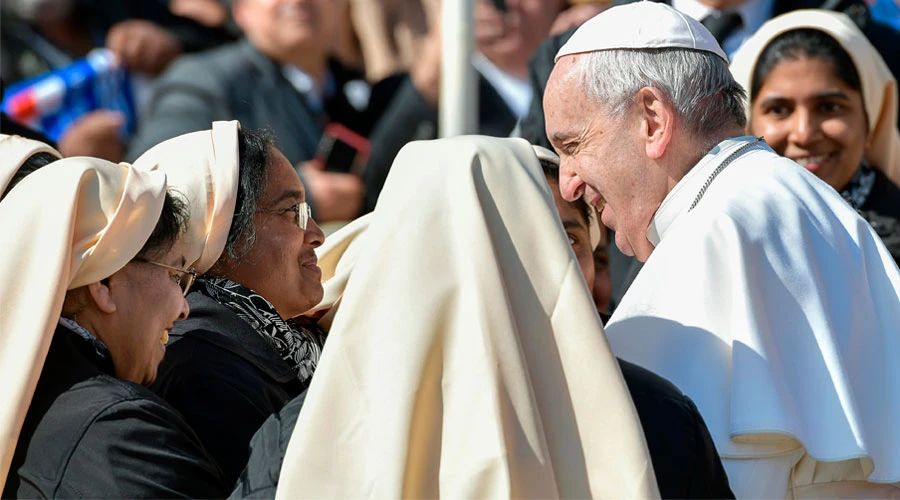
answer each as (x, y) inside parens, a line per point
(813, 162)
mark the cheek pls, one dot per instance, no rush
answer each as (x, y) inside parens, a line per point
(774, 132)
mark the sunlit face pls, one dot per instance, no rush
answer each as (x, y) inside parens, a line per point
(601, 159)
(282, 265)
(511, 38)
(576, 227)
(149, 301)
(279, 27)
(808, 114)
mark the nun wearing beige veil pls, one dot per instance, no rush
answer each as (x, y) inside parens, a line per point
(465, 358)
(88, 245)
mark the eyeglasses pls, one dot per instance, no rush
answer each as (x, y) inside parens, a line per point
(302, 209)
(184, 279)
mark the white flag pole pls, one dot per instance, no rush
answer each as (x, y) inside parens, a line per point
(459, 85)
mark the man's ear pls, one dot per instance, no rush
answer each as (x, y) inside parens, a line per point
(101, 296)
(657, 121)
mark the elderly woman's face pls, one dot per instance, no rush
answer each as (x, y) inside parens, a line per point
(808, 114)
(282, 265)
(148, 301)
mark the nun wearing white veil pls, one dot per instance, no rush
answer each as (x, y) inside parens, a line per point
(88, 245)
(465, 357)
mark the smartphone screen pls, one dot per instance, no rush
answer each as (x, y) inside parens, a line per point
(343, 150)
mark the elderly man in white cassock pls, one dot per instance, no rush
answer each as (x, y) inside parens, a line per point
(764, 296)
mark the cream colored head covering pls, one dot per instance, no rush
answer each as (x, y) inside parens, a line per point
(879, 87)
(465, 358)
(73, 222)
(641, 25)
(14, 150)
(203, 168)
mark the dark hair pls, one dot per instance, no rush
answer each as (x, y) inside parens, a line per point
(551, 171)
(254, 147)
(805, 43)
(33, 163)
(172, 223)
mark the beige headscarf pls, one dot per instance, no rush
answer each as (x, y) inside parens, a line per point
(465, 358)
(14, 150)
(203, 168)
(73, 222)
(879, 87)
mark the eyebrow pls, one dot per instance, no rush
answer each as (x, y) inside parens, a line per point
(291, 194)
(574, 224)
(825, 95)
(560, 136)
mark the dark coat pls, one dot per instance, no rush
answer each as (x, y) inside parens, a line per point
(225, 379)
(88, 434)
(684, 457)
(412, 118)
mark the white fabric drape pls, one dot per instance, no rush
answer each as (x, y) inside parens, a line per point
(465, 358)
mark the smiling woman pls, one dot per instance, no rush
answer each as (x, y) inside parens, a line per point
(83, 328)
(822, 96)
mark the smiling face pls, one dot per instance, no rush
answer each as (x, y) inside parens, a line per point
(148, 302)
(282, 265)
(602, 159)
(808, 114)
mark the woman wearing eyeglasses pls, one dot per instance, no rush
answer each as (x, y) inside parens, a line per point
(92, 279)
(242, 355)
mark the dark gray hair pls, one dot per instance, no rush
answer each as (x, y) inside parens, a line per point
(254, 147)
(172, 223)
(698, 84)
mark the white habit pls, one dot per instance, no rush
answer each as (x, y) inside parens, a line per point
(775, 308)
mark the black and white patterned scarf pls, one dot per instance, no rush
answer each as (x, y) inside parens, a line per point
(300, 345)
(860, 186)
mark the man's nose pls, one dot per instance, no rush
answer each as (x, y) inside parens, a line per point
(571, 187)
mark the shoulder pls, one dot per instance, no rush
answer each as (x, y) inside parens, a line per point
(656, 399)
(222, 62)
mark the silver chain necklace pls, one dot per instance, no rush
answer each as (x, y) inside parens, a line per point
(727, 161)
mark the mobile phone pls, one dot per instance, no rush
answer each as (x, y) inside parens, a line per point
(343, 150)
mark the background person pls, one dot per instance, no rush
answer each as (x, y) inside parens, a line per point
(822, 96)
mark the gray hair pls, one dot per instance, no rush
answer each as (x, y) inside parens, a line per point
(698, 84)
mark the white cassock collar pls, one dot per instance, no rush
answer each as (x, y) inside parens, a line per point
(682, 197)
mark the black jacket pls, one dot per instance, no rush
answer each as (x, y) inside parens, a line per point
(684, 457)
(225, 379)
(88, 434)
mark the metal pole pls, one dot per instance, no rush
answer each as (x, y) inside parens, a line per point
(459, 85)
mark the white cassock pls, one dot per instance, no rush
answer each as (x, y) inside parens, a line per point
(775, 308)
